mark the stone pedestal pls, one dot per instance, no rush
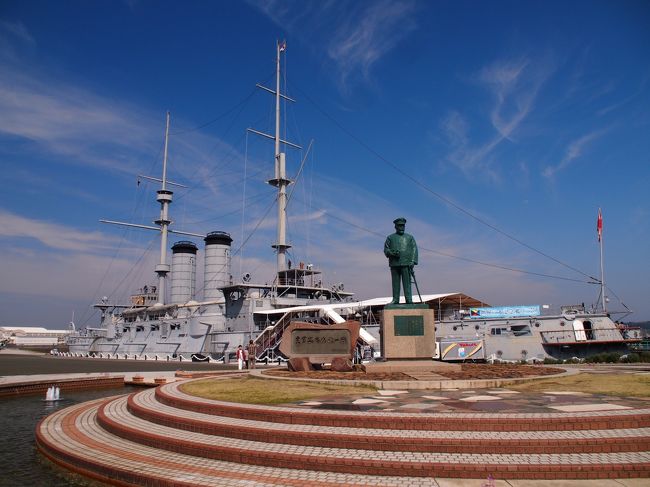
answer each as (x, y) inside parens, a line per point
(308, 344)
(408, 332)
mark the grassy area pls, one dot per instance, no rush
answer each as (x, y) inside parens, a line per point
(265, 391)
(631, 385)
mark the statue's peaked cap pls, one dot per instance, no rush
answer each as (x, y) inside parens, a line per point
(400, 221)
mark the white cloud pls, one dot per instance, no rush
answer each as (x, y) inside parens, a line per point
(364, 39)
(66, 125)
(55, 275)
(573, 151)
(354, 35)
(71, 123)
(53, 235)
(514, 86)
(17, 30)
(472, 160)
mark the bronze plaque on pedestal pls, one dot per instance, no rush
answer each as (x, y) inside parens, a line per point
(409, 325)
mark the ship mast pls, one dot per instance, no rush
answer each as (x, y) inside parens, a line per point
(164, 198)
(599, 228)
(280, 181)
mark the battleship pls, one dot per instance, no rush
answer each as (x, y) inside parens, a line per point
(179, 325)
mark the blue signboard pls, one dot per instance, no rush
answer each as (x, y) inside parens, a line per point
(504, 312)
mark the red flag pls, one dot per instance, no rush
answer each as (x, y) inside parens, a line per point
(599, 224)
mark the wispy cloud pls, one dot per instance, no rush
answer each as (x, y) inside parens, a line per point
(514, 86)
(52, 235)
(17, 30)
(71, 122)
(15, 40)
(471, 160)
(627, 99)
(573, 151)
(364, 39)
(68, 125)
(353, 35)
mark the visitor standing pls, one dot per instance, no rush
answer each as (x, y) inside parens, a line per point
(252, 354)
(240, 357)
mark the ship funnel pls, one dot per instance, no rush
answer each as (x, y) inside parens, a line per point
(183, 272)
(217, 264)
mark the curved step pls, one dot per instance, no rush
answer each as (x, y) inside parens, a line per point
(172, 395)
(115, 417)
(73, 439)
(146, 439)
(145, 406)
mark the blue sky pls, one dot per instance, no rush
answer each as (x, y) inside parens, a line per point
(528, 116)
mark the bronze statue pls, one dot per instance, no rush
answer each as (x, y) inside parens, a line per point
(402, 253)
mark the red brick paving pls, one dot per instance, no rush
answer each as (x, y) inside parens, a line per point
(164, 437)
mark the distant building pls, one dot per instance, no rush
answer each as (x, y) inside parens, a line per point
(32, 336)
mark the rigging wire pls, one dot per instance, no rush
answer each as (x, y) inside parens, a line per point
(243, 202)
(226, 160)
(243, 101)
(152, 240)
(251, 200)
(231, 155)
(239, 249)
(138, 203)
(426, 188)
(466, 259)
(617, 297)
(379, 156)
(126, 276)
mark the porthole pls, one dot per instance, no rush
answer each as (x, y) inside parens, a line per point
(537, 325)
(455, 328)
(476, 327)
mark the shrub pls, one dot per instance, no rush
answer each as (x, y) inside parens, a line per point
(552, 361)
(605, 357)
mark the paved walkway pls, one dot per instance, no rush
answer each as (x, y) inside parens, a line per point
(451, 432)
(499, 400)
(393, 437)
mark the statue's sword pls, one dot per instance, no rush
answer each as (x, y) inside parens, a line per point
(412, 272)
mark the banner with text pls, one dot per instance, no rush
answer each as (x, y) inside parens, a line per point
(504, 312)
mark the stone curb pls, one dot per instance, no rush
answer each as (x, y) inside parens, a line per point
(423, 384)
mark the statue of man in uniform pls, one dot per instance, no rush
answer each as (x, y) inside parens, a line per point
(402, 253)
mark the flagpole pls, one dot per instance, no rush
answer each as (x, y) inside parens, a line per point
(602, 269)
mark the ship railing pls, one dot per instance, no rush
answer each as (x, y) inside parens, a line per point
(612, 334)
(268, 341)
(89, 332)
